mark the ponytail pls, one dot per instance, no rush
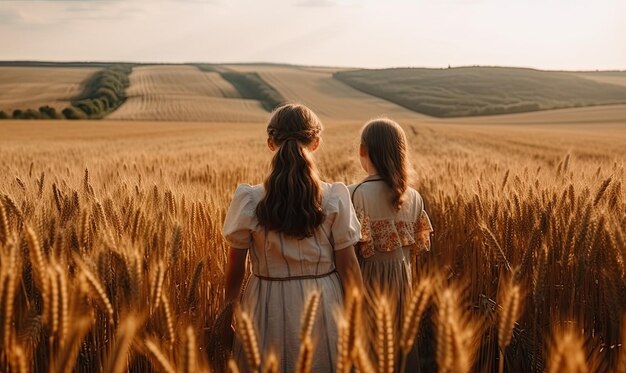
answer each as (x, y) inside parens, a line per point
(293, 197)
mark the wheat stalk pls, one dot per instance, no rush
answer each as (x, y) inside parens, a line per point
(53, 302)
(157, 357)
(195, 280)
(354, 318)
(271, 363)
(416, 308)
(18, 359)
(249, 339)
(343, 355)
(7, 297)
(305, 357)
(95, 288)
(601, 190)
(177, 244)
(420, 299)
(384, 336)
(445, 332)
(117, 359)
(157, 287)
(362, 361)
(510, 312)
(309, 315)
(169, 319)
(63, 303)
(232, 366)
(65, 360)
(566, 353)
(190, 360)
(493, 243)
(37, 262)
(4, 226)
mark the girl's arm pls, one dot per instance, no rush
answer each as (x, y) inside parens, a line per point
(235, 273)
(348, 268)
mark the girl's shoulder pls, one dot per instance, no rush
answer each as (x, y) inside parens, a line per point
(414, 196)
(375, 198)
(368, 188)
(248, 195)
(413, 201)
(335, 190)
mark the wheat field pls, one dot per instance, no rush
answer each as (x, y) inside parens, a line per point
(112, 258)
(184, 93)
(32, 87)
(111, 255)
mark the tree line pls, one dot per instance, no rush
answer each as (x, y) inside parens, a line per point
(102, 93)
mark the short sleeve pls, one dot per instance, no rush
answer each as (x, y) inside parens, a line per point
(240, 218)
(346, 228)
(423, 229)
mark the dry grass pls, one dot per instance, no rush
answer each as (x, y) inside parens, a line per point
(32, 87)
(116, 250)
(167, 93)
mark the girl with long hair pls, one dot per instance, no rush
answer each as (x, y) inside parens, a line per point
(394, 223)
(300, 233)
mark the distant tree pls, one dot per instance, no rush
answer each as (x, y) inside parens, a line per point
(73, 113)
(104, 91)
(87, 107)
(17, 114)
(49, 112)
(31, 114)
(108, 94)
(3, 115)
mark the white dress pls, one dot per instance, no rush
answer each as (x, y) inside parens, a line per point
(389, 239)
(276, 292)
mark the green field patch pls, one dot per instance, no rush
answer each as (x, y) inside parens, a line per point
(470, 91)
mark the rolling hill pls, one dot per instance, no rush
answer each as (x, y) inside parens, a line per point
(32, 87)
(184, 93)
(470, 91)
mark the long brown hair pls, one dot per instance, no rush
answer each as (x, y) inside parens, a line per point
(386, 147)
(293, 196)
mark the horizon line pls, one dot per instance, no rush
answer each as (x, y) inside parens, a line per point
(147, 63)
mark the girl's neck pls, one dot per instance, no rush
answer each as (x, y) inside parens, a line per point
(370, 169)
(373, 175)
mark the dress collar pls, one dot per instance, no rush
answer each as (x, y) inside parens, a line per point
(374, 177)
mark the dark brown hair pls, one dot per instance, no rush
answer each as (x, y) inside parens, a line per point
(385, 143)
(293, 196)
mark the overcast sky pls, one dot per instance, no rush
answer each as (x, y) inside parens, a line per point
(549, 34)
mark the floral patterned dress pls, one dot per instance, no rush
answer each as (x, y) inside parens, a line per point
(389, 238)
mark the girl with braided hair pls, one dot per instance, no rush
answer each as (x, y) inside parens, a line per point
(300, 234)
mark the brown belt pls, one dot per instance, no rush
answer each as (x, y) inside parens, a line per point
(290, 278)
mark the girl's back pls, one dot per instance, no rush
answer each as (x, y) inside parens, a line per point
(285, 270)
(299, 234)
(277, 256)
(394, 224)
(385, 228)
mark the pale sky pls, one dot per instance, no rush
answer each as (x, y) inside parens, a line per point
(548, 34)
